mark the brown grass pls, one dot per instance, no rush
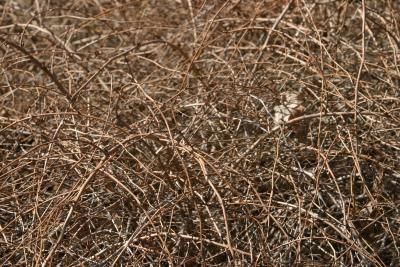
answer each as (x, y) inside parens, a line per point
(139, 132)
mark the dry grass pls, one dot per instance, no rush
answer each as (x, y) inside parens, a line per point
(139, 132)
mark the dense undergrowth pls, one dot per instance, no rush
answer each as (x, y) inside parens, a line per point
(199, 133)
